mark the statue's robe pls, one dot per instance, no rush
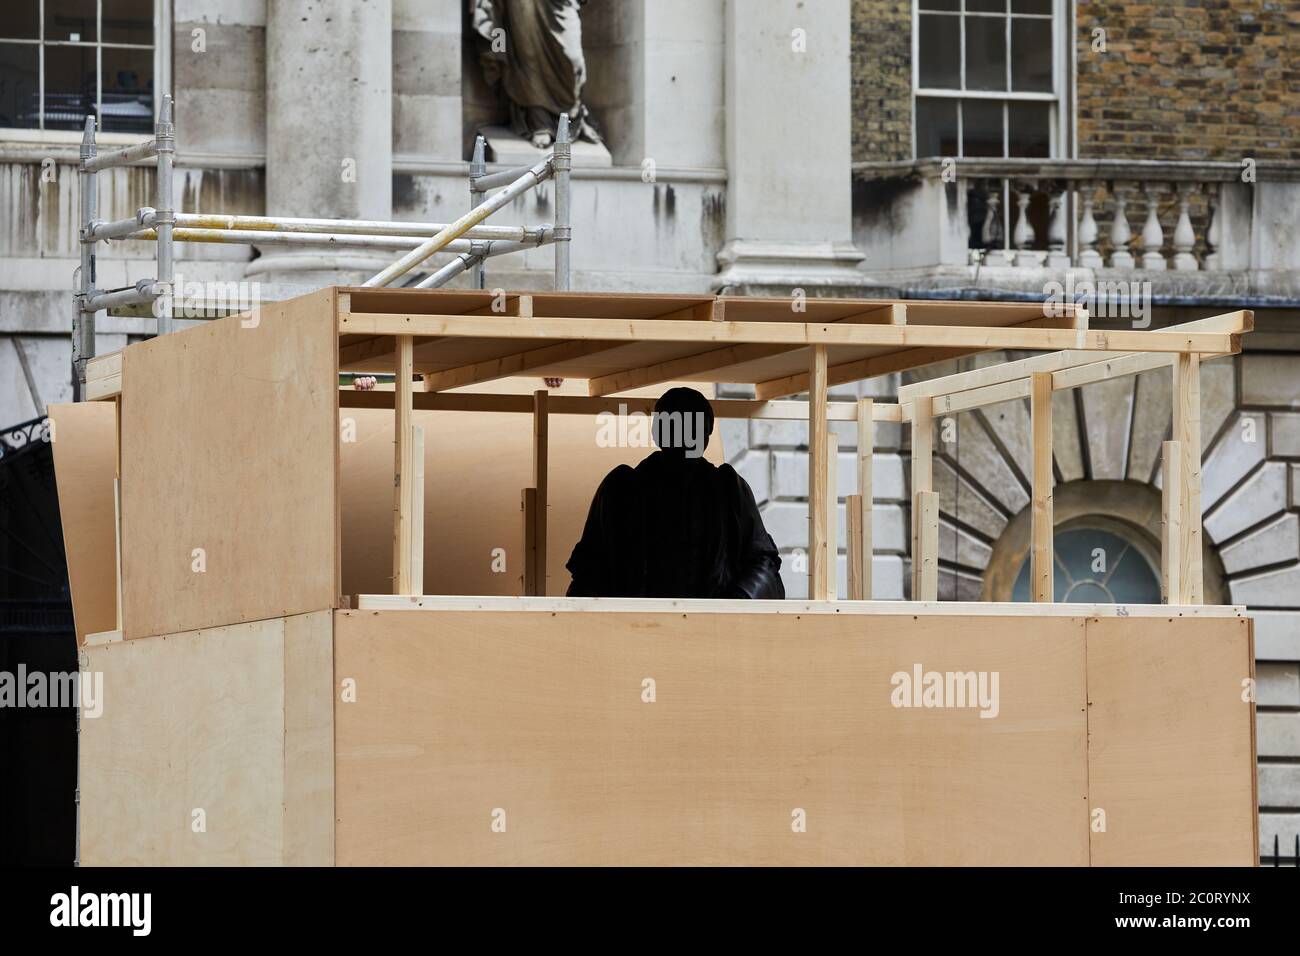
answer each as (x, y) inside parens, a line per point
(675, 527)
(542, 69)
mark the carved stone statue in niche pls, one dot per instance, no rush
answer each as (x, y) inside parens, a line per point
(533, 49)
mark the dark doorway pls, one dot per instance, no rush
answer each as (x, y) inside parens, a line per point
(38, 745)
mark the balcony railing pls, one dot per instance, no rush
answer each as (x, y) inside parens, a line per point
(1100, 214)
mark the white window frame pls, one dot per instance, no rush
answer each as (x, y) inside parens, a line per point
(25, 134)
(1060, 97)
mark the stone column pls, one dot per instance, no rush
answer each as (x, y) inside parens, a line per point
(788, 111)
(329, 137)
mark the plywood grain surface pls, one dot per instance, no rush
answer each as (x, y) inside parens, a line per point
(85, 466)
(1171, 742)
(213, 747)
(229, 437)
(538, 720)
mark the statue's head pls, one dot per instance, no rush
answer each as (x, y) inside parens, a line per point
(683, 422)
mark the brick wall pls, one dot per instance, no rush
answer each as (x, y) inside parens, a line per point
(1194, 79)
(882, 79)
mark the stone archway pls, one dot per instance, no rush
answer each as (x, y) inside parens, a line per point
(1107, 445)
(1126, 510)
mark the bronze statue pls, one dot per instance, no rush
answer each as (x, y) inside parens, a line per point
(676, 525)
(533, 50)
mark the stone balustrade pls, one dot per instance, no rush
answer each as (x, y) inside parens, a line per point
(945, 222)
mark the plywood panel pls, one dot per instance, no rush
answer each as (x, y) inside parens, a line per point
(85, 467)
(1171, 747)
(211, 720)
(476, 464)
(756, 716)
(309, 739)
(229, 437)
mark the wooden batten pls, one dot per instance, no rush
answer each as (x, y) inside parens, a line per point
(1042, 570)
(832, 514)
(1187, 432)
(925, 546)
(417, 509)
(733, 408)
(818, 429)
(922, 482)
(541, 441)
(854, 551)
(863, 505)
(1171, 535)
(404, 471)
(528, 508)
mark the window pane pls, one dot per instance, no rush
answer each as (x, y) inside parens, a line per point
(986, 6)
(70, 20)
(128, 90)
(128, 21)
(20, 20)
(1030, 129)
(986, 53)
(936, 127)
(69, 86)
(939, 5)
(1031, 55)
(981, 127)
(1043, 7)
(940, 53)
(19, 85)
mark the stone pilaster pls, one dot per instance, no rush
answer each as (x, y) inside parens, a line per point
(788, 156)
(329, 70)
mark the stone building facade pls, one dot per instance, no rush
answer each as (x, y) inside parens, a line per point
(755, 146)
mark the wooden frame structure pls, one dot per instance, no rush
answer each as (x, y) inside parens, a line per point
(463, 340)
(232, 464)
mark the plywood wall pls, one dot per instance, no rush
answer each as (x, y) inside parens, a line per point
(85, 466)
(213, 748)
(539, 720)
(1171, 722)
(756, 717)
(229, 470)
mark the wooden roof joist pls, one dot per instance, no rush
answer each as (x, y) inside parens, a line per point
(595, 405)
(1070, 368)
(783, 333)
(655, 338)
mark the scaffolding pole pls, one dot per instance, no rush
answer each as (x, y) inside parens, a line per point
(164, 216)
(537, 174)
(477, 171)
(360, 227)
(83, 320)
(471, 242)
(562, 164)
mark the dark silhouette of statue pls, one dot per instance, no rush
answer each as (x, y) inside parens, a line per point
(532, 50)
(676, 525)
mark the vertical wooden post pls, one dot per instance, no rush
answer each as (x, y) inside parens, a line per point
(832, 515)
(925, 554)
(528, 502)
(417, 509)
(1040, 414)
(1171, 506)
(541, 438)
(117, 504)
(403, 465)
(922, 483)
(1187, 432)
(853, 523)
(866, 451)
(818, 428)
